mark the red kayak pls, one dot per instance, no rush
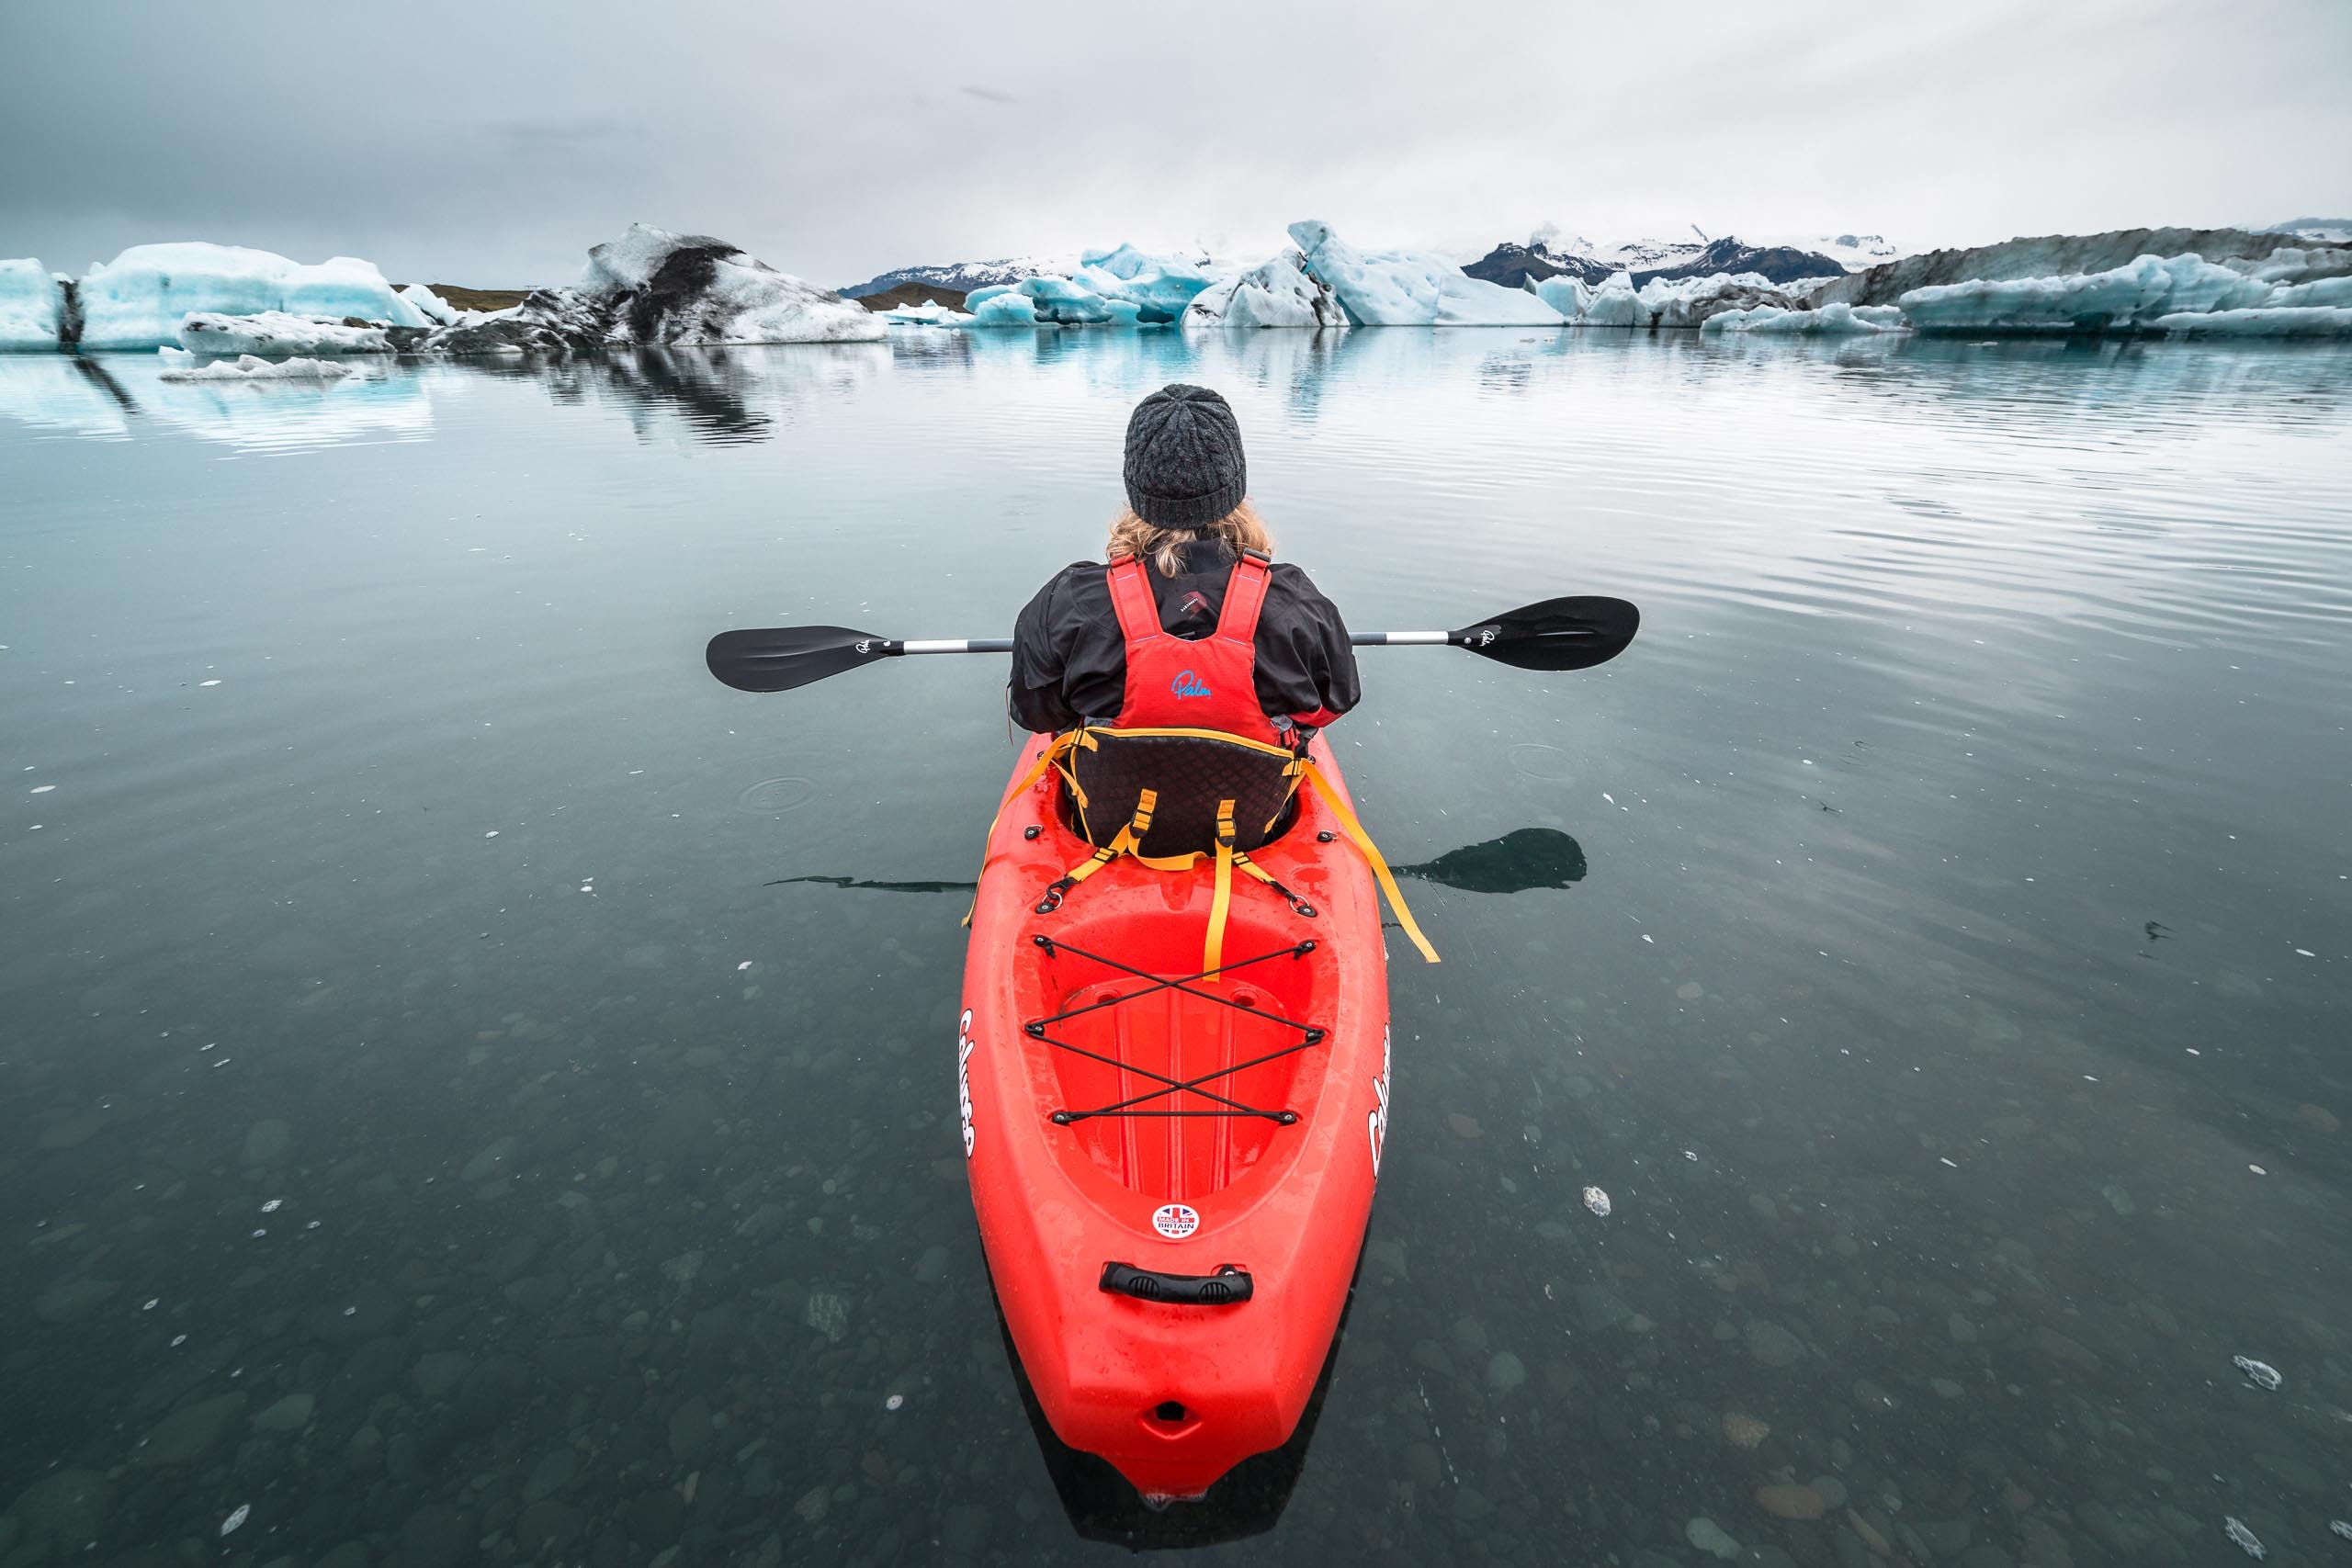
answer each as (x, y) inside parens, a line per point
(1173, 1169)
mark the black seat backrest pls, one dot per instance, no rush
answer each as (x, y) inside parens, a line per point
(1191, 773)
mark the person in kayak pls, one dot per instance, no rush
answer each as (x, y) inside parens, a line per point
(1188, 559)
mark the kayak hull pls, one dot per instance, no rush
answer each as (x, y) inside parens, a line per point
(1266, 1168)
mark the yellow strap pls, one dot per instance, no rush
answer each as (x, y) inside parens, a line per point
(1126, 842)
(1354, 829)
(1213, 951)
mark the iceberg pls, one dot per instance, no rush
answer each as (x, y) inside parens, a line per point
(1614, 304)
(1001, 305)
(651, 287)
(1411, 288)
(2308, 320)
(1829, 321)
(1691, 301)
(180, 366)
(1564, 292)
(2120, 297)
(2051, 255)
(277, 332)
(139, 300)
(32, 306)
(429, 305)
(1275, 293)
(1065, 302)
(930, 314)
(1159, 285)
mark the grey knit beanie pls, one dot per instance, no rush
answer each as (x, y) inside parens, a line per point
(1185, 468)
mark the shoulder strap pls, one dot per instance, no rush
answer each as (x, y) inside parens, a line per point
(1131, 597)
(1244, 595)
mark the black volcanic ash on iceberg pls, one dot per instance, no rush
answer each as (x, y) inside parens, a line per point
(654, 287)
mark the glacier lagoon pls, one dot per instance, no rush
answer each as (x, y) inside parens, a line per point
(1932, 941)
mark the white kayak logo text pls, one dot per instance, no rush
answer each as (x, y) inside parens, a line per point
(1377, 1124)
(963, 1077)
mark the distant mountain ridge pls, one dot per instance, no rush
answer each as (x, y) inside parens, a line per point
(962, 278)
(1512, 264)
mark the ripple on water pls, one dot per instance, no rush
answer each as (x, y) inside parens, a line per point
(773, 797)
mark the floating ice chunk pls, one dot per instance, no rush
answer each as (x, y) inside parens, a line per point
(1412, 288)
(32, 306)
(2130, 296)
(1275, 293)
(897, 1400)
(139, 300)
(43, 789)
(1160, 286)
(2321, 321)
(2260, 1372)
(740, 968)
(429, 305)
(2342, 1528)
(277, 332)
(1059, 299)
(273, 1205)
(1567, 293)
(1597, 1201)
(2243, 1539)
(253, 368)
(930, 314)
(1002, 306)
(238, 1516)
(1614, 304)
(1830, 320)
(347, 286)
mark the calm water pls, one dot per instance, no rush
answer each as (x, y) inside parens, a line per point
(394, 1141)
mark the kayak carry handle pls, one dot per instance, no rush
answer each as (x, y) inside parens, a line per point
(1229, 1286)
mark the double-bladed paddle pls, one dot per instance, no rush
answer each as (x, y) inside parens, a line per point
(1558, 633)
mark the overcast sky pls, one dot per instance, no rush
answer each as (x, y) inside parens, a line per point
(492, 144)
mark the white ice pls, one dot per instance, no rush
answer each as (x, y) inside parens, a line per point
(930, 314)
(429, 305)
(2133, 295)
(31, 305)
(277, 332)
(1412, 288)
(139, 300)
(2310, 320)
(1275, 293)
(1830, 320)
(179, 366)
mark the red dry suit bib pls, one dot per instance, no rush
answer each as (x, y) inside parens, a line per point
(1208, 684)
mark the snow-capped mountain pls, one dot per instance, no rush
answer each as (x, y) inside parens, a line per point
(965, 276)
(1513, 264)
(2325, 231)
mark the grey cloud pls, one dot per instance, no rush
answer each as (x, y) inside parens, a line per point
(494, 145)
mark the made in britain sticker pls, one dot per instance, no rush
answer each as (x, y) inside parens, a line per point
(1175, 1220)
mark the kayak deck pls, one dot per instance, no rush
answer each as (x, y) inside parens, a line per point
(1177, 1087)
(1217, 1139)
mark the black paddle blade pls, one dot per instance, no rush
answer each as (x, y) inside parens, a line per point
(1558, 633)
(777, 658)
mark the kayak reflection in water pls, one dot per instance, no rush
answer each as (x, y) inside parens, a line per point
(1188, 536)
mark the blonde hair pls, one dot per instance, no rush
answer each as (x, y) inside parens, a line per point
(1238, 530)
